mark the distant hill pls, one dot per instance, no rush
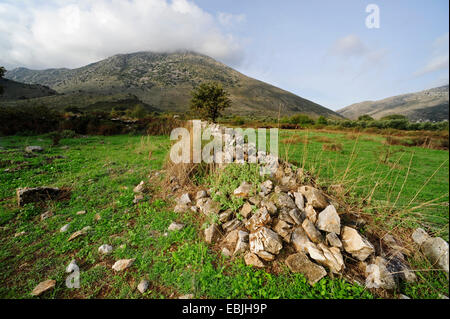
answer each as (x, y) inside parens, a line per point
(164, 81)
(13, 90)
(427, 105)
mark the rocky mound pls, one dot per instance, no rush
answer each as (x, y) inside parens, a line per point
(288, 218)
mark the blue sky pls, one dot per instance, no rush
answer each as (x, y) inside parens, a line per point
(290, 44)
(320, 50)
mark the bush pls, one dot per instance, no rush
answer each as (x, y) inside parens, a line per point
(301, 119)
(322, 120)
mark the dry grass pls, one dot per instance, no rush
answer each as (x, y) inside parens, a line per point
(419, 141)
(295, 139)
(335, 147)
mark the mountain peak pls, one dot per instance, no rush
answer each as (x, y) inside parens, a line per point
(165, 80)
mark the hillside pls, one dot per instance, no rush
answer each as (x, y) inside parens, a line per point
(20, 91)
(427, 105)
(164, 81)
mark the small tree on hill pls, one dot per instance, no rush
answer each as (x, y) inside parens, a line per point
(209, 100)
(365, 117)
(2, 73)
(322, 120)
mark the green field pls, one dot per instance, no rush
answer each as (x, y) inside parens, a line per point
(101, 173)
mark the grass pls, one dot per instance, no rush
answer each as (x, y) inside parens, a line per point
(101, 173)
(407, 186)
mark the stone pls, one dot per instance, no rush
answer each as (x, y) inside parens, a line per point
(300, 240)
(300, 263)
(232, 225)
(313, 234)
(33, 149)
(123, 264)
(143, 286)
(208, 207)
(283, 200)
(230, 240)
(19, 234)
(355, 244)
(242, 242)
(258, 219)
(299, 200)
(77, 234)
(188, 296)
(289, 182)
(329, 220)
(174, 226)
(139, 188)
(313, 196)
(252, 259)
(181, 208)
(46, 215)
(311, 213)
(265, 239)
(402, 296)
(333, 258)
(296, 217)
(29, 195)
(315, 253)
(264, 255)
(285, 216)
(43, 287)
(226, 252)
(64, 228)
(81, 212)
(243, 190)
(246, 210)
(378, 276)
(436, 251)
(283, 229)
(420, 236)
(211, 234)
(271, 208)
(225, 216)
(105, 249)
(333, 240)
(138, 198)
(201, 194)
(184, 199)
(255, 200)
(97, 217)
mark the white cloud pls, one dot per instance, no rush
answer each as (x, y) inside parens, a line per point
(230, 20)
(75, 33)
(349, 46)
(439, 59)
(355, 58)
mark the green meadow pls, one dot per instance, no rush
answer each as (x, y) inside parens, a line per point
(397, 185)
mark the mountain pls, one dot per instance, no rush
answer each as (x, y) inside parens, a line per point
(427, 105)
(13, 90)
(164, 81)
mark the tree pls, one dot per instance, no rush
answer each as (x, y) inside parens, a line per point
(365, 117)
(209, 100)
(2, 73)
(393, 117)
(301, 119)
(322, 120)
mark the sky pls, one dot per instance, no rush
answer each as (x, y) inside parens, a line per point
(320, 50)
